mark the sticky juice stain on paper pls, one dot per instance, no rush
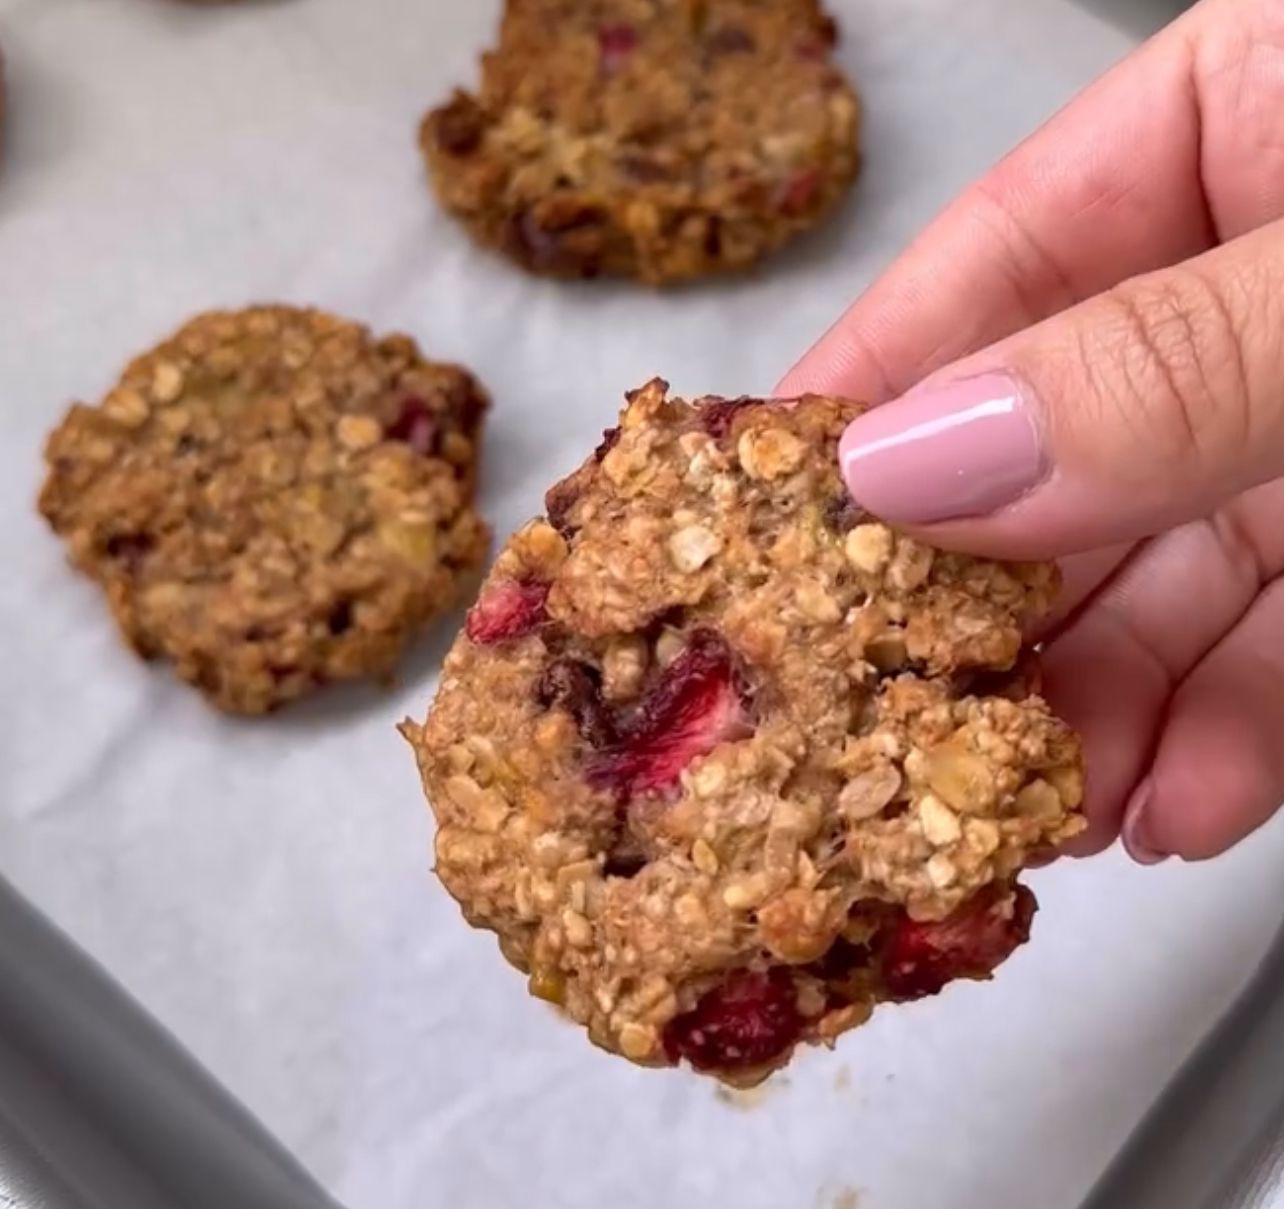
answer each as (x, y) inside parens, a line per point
(843, 1079)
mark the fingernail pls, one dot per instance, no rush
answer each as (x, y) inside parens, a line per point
(1136, 828)
(956, 449)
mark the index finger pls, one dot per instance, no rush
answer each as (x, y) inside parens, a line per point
(1108, 188)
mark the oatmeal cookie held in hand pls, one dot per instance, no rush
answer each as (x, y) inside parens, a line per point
(657, 139)
(273, 499)
(726, 763)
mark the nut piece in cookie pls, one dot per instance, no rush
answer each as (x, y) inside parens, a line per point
(664, 140)
(273, 499)
(726, 763)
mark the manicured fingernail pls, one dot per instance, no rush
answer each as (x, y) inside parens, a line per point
(1136, 828)
(951, 450)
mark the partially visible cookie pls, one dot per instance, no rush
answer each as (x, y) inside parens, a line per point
(273, 499)
(726, 763)
(657, 139)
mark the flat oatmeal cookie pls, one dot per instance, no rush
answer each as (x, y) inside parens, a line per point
(273, 499)
(726, 763)
(657, 139)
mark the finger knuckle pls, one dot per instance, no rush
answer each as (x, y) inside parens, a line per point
(1032, 274)
(1169, 358)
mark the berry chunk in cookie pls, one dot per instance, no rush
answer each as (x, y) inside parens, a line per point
(657, 139)
(273, 499)
(726, 763)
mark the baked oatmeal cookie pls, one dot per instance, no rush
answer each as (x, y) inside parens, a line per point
(273, 499)
(657, 139)
(724, 762)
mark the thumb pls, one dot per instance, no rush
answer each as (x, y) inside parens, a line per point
(1135, 411)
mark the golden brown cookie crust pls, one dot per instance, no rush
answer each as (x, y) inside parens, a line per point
(273, 499)
(657, 139)
(716, 742)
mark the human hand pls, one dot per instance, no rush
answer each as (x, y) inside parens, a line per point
(1094, 335)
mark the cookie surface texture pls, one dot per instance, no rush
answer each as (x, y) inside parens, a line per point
(656, 139)
(273, 499)
(726, 763)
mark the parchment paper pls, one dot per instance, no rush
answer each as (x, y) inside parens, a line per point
(263, 886)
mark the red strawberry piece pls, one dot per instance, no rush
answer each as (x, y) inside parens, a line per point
(535, 244)
(416, 425)
(750, 1020)
(561, 237)
(920, 959)
(797, 192)
(561, 498)
(713, 237)
(610, 438)
(577, 688)
(615, 44)
(130, 549)
(817, 47)
(624, 863)
(559, 502)
(696, 704)
(508, 608)
(841, 960)
(717, 415)
(340, 618)
(731, 40)
(459, 126)
(646, 169)
(467, 403)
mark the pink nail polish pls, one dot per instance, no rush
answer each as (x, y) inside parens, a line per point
(951, 450)
(1136, 829)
